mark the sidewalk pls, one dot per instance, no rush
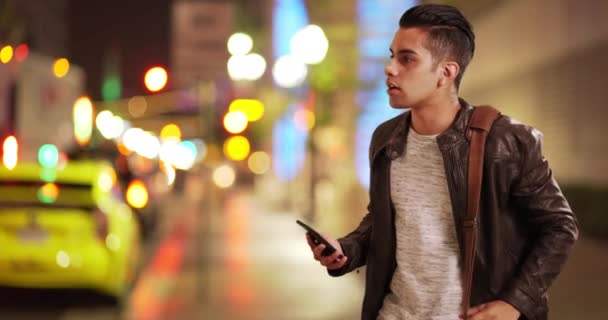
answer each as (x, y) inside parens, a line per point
(256, 264)
(247, 261)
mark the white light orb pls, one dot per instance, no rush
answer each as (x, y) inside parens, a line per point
(289, 71)
(239, 44)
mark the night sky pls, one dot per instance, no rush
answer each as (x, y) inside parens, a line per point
(137, 30)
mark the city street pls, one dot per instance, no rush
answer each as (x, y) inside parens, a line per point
(243, 262)
(156, 155)
(248, 261)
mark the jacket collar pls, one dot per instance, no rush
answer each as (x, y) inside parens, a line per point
(394, 145)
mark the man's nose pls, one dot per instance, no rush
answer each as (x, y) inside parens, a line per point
(389, 68)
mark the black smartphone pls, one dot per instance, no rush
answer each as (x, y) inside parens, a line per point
(318, 239)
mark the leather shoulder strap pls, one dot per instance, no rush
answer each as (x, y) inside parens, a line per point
(479, 126)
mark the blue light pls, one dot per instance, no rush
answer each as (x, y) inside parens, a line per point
(190, 145)
(378, 21)
(289, 17)
(289, 147)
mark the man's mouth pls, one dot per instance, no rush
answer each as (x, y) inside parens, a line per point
(392, 88)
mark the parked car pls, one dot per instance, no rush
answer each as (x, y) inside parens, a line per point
(67, 228)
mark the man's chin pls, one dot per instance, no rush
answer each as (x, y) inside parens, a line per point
(397, 105)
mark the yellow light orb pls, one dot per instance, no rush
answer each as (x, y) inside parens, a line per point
(61, 67)
(254, 109)
(48, 193)
(6, 54)
(237, 148)
(137, 194)
(171, 131)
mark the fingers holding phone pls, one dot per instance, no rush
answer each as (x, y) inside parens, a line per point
(336, 260)
(326, 250)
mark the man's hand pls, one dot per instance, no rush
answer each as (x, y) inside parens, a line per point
(496, 310)
(333, 261)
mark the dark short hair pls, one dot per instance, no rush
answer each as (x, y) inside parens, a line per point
(449, 33)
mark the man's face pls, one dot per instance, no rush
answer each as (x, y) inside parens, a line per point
(411, 78)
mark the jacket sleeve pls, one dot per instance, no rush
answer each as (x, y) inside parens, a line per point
(355, 245)
(545, 208)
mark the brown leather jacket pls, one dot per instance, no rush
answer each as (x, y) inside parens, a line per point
(526, 227)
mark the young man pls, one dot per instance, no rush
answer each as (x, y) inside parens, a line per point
(410, 239)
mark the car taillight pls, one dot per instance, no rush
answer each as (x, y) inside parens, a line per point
(101, 224)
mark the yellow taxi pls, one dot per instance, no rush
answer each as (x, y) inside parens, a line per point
(67, 228)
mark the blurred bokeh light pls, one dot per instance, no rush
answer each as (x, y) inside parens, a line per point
(235, 122)
(48, 193)
(237, 148)
(21, 52)
(48, 156)
(171, 131)
(309, 44)
(254, 109)
(259, 162)
(137, 194)
(61, 67)
(137, 106)
(240, 44)
(83, 120)
(109, 125)
(156, 79)
(289, 71)
(6, 54)
(224, 176)
(10, 151)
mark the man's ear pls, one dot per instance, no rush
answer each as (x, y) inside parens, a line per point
(449, 72)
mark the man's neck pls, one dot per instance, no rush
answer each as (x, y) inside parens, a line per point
(435, 117)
